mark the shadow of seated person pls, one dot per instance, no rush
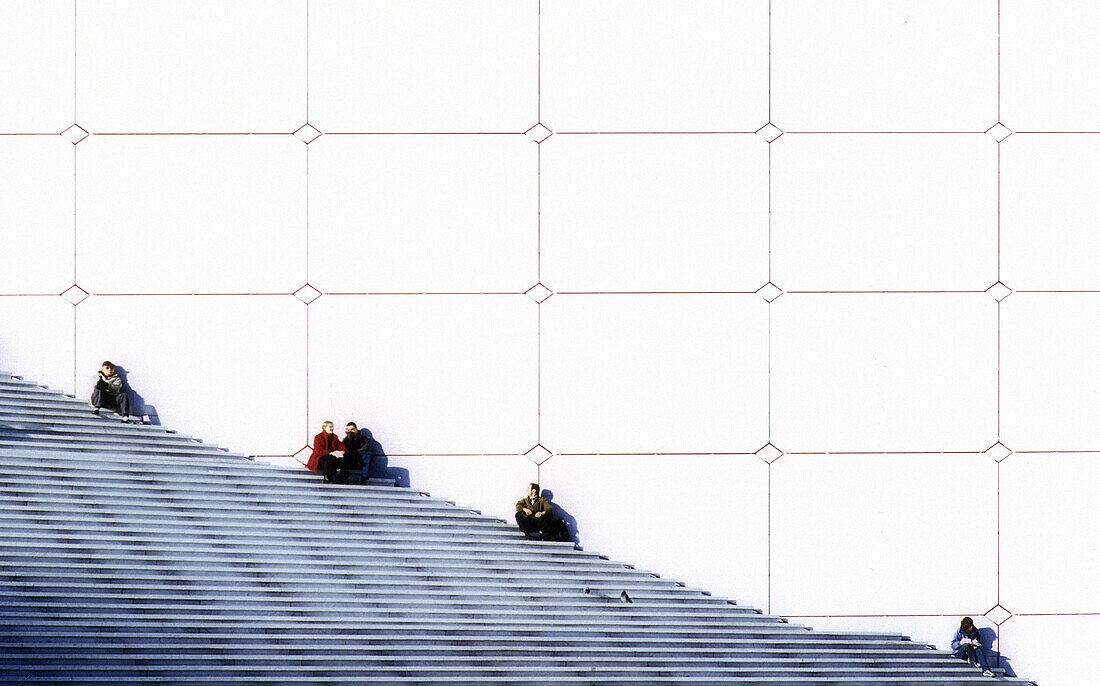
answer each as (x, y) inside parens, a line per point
(996, 660)
(109, 392)
(535, 517)
(568, 521)
(139, 407)
(379, 467)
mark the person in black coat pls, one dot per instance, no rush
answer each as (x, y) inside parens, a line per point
(359, 448)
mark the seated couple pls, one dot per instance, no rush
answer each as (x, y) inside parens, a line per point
(337, 459)
(535, 517)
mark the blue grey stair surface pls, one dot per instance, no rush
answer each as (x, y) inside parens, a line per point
(133, 554)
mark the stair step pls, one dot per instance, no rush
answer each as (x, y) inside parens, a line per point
(133, 554)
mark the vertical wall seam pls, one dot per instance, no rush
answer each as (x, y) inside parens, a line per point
(998, 211)
(998, 64)
(538, 374)
(769, 72)
(75, 64)
(999, 372)
(998, 567)
(74, 214)
(306, 251)
(306, 229)
(538, 214)
(770, 373)
(307, 61)
(769, 213)
(306, 419)
(74, 350)
(538, 63)
(538, 234)
(769, 610)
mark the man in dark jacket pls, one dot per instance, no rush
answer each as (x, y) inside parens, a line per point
(535, 516)
(108, 392)
(359, 448)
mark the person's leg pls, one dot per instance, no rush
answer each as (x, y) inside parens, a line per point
(123, 404)
(333, 469)
(110, 401)
(527, 523)
(102, 399)
(326, 467)
(341, 476)
(964, 652)
(350, 469)
(97, 393)
(546, 525)
(979, 656)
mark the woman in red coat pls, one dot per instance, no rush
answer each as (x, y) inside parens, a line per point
(328, 453)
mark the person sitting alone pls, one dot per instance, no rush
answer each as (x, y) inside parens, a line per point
(967, 646)
(358, 450)
(109, 393)
(328, 455)
(535, 517)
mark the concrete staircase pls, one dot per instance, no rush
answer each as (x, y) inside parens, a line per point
(133, 554)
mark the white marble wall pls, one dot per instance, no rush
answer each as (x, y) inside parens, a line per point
(524, 240)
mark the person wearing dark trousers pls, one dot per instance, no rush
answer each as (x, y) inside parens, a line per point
(328, 455)
(108, 392)
(535, 516)
(358, 450)
(966, 646)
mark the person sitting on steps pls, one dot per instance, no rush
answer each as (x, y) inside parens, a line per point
(535, 517)
(358, 450)
(108, 392)
(328, 455)
(967, 646)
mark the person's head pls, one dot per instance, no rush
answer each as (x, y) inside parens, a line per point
(327, 427)
(351, 428)
(107, 367)
(967, 624)
(533, 491)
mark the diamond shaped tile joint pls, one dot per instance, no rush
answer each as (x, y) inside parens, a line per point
(769, 291)
(74, 134)
(769, 453)
(998, 132)
(998, 615)
(538, 133)
(75, 294)
(306, 133)
(538, 454)
(538, 293)
(999, 291)
(769, 132)
(303, 454)
(307, 294)
(998, 451)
